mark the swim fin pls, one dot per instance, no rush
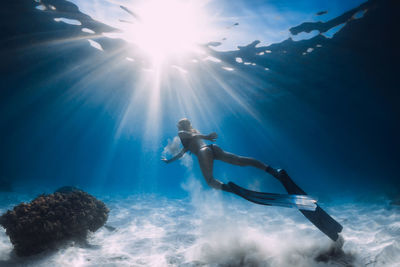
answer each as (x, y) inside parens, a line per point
(319, 217)
(290, 201)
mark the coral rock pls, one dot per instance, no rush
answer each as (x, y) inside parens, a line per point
(50, 220)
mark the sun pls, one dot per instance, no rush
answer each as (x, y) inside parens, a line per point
(169, 28)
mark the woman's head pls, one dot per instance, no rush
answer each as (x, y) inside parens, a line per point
(184, 125)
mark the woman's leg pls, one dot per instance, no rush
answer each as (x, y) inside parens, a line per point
(238, 160)
(206, 161)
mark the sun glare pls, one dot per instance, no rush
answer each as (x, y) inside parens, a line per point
(168, 28)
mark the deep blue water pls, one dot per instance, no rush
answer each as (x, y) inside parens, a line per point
(319, 99)
(72, 114)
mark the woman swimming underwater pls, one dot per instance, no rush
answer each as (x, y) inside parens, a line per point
(193, 141)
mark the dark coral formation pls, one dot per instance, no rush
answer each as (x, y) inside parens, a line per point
(50, 220)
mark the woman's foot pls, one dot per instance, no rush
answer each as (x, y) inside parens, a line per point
(277, 173)
(270, 170)
(226, 188)
(281, 174)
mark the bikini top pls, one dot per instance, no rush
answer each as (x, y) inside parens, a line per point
(188, 140)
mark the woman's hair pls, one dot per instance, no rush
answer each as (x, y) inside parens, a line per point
(184, 124)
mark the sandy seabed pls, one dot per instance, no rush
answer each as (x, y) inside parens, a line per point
(213, 229)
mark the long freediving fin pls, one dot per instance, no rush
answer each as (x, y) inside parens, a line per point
(290, 201)
(322, 220)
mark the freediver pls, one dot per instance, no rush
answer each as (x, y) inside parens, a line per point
(193, 141)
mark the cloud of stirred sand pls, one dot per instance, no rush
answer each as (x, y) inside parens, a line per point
(172, 148)
(233, 232)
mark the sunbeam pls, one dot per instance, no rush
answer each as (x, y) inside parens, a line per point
(164, 29)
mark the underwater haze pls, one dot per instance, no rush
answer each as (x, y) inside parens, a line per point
(92, 90)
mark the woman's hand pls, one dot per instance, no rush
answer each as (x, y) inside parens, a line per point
(212, 136)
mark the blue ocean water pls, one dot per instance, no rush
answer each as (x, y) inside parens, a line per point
(308, 86)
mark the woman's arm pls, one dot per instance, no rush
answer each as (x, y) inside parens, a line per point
(177, 156)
